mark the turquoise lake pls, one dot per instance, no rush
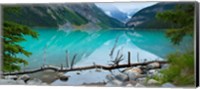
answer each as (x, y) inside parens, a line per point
(52, 44)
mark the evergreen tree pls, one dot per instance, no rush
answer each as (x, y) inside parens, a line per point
(183, 19)
(12, 34)
(181, 64)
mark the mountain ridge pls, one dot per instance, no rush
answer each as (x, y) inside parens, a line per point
(146, 17)
(70, 16)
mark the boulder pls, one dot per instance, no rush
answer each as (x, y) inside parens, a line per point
(109, 77)
(139, 85)
(122, 77)
(168, 85)
(153, 65)
(63, 77)
(133, 73)
(152, 82)
(24, 77)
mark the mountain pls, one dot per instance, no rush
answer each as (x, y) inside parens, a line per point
(146, 18)
(60, 15)
(114, 12)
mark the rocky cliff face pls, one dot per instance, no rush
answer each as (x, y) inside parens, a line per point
(70, 16)
(146, 18)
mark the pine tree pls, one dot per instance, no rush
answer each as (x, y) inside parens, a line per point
(14, 33)
(183, 19)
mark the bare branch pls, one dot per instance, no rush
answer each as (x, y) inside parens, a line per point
(73, 61)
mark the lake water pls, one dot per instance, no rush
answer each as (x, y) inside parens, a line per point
(94, 46)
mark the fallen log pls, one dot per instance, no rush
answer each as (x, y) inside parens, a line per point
(83, 68)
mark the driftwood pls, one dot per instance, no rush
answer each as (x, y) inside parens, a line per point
(129, 59)
(73, 61)
(82, 68)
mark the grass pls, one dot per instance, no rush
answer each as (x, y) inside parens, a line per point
(180, 70)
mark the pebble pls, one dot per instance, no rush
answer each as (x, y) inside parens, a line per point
(168, 85)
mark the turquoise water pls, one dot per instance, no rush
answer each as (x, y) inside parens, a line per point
(52, 44)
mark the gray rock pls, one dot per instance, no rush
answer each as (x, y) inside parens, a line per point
(129, 85)
(63, 77)
(153, 65)
(122, 77)
(168, 85)
(132, 82)
(117, 82)
(141, 80)
(20, 82)
(164, 66)
(109, 77)
(152, 82)
(34, 82)
(139, 85)
(133, 73)
(24, 77)
(44, 84)
(109, 84)
(152, 71)
(114, 83)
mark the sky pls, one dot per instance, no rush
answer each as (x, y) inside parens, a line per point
(125, 7)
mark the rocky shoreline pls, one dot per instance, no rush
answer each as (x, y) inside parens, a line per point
(139, 76)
